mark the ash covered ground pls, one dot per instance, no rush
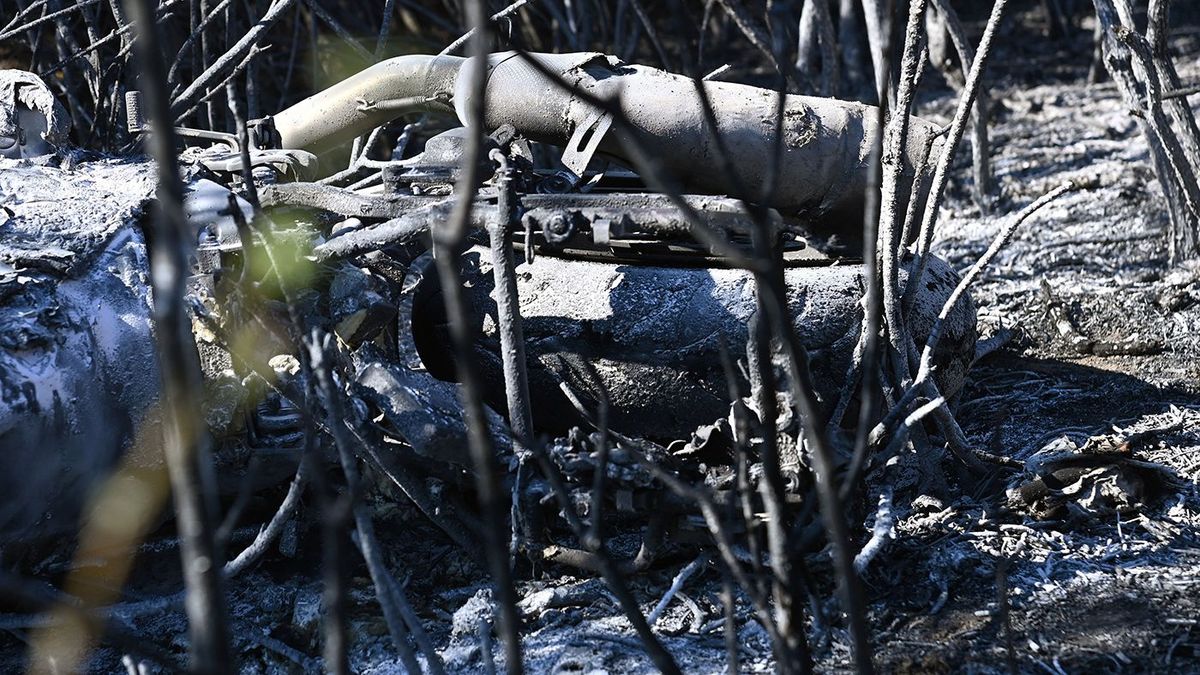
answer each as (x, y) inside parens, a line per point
(1094, 385)
(1103, 355)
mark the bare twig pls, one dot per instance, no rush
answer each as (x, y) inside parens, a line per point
(651, 34)
(885, 521)
(890, 219)
(462, 40)
(751, 29)
(339, 30)
(447, 239)
(979, 119)
(274, 527)
(878, 31)
(53, 16)
(676, 586)
(186, 47)
(180, 370)
(229, 59)
(925, 368)
(957, 128)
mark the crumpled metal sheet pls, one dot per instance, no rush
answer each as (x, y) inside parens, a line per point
(1105, 476)
(78, 381)
(27, 103)
(54, 219)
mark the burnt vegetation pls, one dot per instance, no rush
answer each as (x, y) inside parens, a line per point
(537, 366)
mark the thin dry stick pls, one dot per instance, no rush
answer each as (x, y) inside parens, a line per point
(508, 310)
(731, 632)
(651, 35)
(600, 559)
(877, 37)
(1180, 140)
(832, 513)
(1186, 239)
(766, 284)
(979, 120)
(867, 349)
(769, 295)
(1157, 29)
(771, 484)
(447, 240)
(885, 521)
(1177, 151)
(237, 70)
(922, 175)
(334, 512)
(117, 33)
(742, 434)
(895, 142)
(925, 368)
(390, 597)
(850, 45)
(1133, 84)
(831, 71)
(772, 305)
(957, 127)
(462, 40)
(1117, 59)
(385, 27)
(179, 367)
(676, 586)
(340, 30)
(900, 437)
(512, 336)
(229, 59)
(46, 19)
(595, 535)
(187, 45)
(773, 318)
(274, 527)
(721, 538)
(243, 135)
(750, 28)
(26, 11)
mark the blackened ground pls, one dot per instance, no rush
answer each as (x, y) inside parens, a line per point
(1105, 344)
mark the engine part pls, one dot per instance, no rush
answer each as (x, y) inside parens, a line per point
(619, 281)
(825, 145)
(654, 333)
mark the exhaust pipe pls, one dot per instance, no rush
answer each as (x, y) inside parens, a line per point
(352, 107)
(825, 149)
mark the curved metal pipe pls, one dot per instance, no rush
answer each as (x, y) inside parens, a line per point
(369, 99)
(826, 143)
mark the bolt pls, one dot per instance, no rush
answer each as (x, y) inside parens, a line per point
(558, 228)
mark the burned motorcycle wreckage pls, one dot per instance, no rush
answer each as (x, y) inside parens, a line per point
(625, 293)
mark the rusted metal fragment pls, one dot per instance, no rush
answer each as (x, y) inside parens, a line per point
(424, 411)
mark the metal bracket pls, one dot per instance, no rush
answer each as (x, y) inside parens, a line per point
(584, 142)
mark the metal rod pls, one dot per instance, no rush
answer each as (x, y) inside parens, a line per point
(508, 311)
